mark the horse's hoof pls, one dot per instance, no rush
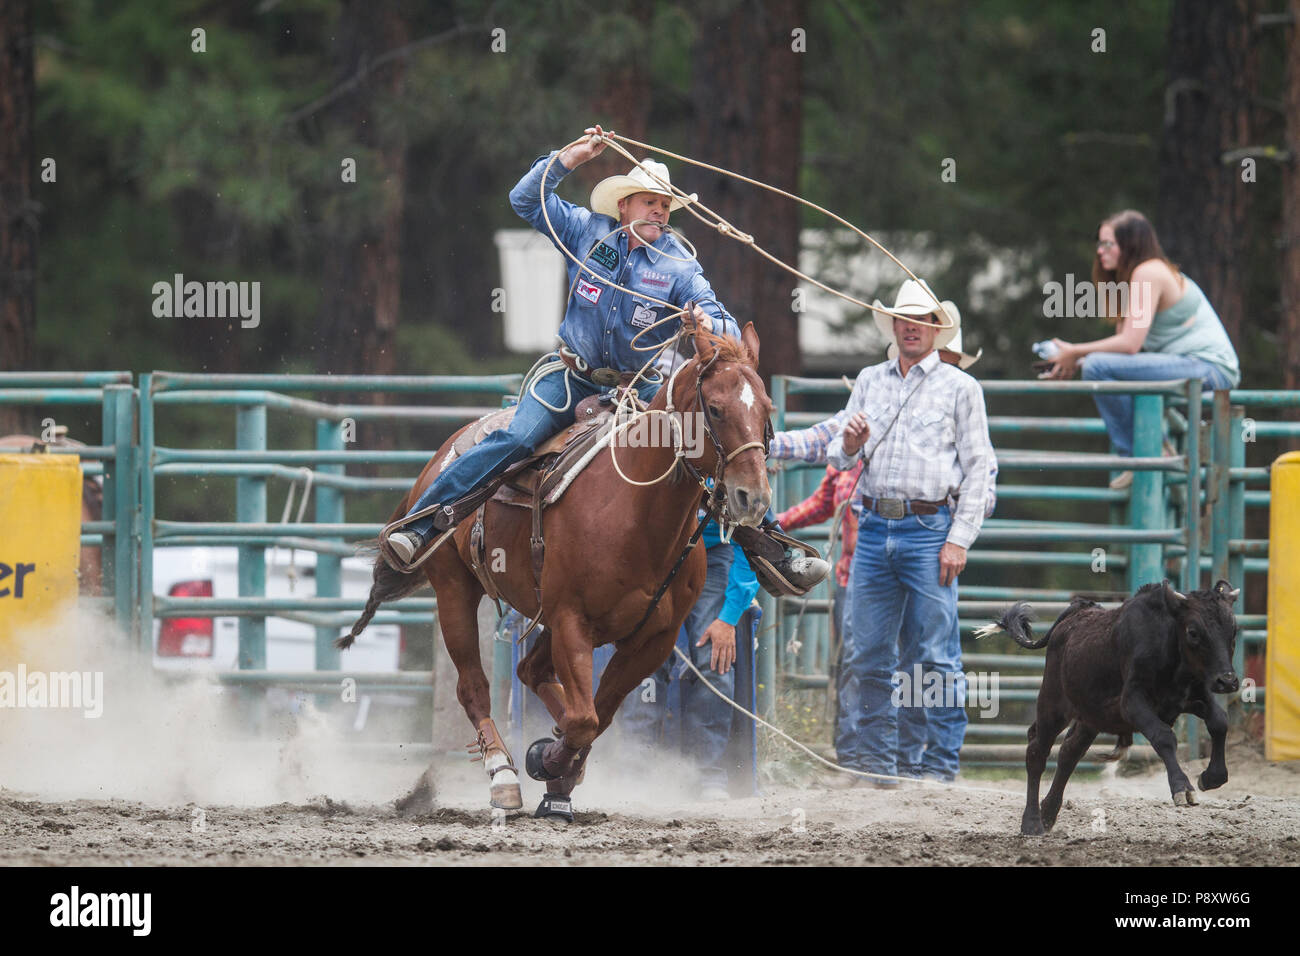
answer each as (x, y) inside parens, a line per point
(533, 760)
(1185, 798)
(506, 796)
(555, 806)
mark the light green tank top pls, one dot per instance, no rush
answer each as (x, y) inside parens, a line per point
(1191, 327)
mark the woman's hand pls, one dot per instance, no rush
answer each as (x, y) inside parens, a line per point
(1066, 362)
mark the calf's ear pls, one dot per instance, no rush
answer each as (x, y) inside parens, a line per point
(1176, 602)
(1226, 591)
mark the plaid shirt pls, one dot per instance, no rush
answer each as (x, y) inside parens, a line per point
(836, 488)
(937, 447)
(809, 444)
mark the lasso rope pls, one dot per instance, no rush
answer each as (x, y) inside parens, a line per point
(625, 406)
(727, 229)
(818, 757)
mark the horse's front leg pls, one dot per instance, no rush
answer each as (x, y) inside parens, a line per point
(560, 762)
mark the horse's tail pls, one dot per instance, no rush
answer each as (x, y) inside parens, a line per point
(388, 585)
(1016, 622)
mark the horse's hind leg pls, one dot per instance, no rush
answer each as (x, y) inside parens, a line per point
(459, 593)
(537, 672)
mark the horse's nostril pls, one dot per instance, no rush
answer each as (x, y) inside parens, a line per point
(742, 499)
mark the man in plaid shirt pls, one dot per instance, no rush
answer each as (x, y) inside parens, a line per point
(919, 427)
(836, 488)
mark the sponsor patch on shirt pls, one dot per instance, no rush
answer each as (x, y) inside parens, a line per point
(656, 280)
(604, 255)
(589, 291)
(643, 316)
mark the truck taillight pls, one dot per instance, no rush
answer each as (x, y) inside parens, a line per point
(186, 636)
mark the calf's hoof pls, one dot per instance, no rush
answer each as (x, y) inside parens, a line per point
(1208, 781)
(555, 806)
(1031, 827)
(533, 760)
(1184, 798)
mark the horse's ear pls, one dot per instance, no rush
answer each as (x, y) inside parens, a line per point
(749, 339)
(704, 347)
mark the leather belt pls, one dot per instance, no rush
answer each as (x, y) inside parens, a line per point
(604, 377)
(895, 508)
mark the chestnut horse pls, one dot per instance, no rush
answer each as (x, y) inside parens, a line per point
(610, 545)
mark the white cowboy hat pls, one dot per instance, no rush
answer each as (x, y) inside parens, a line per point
(915, 298)
(642, 178)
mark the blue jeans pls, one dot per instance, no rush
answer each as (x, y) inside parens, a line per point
(846, 685)
(1117, 410)
(532, 424)
(901, 618)
(706, 718)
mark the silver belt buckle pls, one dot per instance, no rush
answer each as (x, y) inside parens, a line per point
(605, 376)
(893, 508)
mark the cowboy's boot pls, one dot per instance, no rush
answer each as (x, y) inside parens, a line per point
(784, 566)
(407, 544)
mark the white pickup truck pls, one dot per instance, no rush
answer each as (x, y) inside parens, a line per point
(203, 643)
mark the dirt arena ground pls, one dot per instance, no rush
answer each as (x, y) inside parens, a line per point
(165, 775)
(1125, 821)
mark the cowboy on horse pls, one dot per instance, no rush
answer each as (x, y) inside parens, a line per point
(626, 241)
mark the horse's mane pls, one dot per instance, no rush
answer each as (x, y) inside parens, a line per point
(729, 349)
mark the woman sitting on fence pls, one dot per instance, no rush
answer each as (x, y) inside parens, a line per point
(1165, 326)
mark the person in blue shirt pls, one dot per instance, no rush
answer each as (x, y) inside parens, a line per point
(729, 590)
(625, 240)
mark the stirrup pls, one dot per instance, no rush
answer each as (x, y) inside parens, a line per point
(773, 581)
(431, 544)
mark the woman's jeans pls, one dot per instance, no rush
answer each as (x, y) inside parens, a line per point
(1117, 410)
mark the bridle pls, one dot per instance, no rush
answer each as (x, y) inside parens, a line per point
(715, 502)
(721, 457)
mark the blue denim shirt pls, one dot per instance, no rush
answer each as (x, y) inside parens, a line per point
(742, 583)
(600, 321)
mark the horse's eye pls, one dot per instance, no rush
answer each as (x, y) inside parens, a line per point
(715, 411)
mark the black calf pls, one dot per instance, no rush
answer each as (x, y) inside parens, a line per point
(1134, 668)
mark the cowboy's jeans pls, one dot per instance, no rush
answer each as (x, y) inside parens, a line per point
(706, 718)
(1117, 410)
(532, 424)
(907, 721)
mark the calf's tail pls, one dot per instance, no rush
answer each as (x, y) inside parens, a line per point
(1016, 622)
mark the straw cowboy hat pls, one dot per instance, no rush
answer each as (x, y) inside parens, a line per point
(642, 178)
(915, 298)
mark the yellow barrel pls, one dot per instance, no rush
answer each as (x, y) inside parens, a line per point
(1282, 674)
(40, 542)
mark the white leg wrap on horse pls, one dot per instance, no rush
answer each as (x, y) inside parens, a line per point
(496, 760)
(505, 783)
